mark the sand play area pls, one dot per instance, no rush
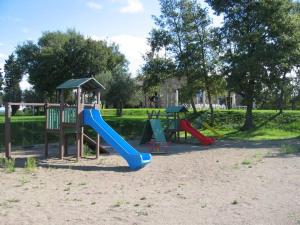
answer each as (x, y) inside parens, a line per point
(231, 182)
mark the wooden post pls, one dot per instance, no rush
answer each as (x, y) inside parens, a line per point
(46, 131)
(46, 145)
(61, 129)
(178, 132)
(98, 140)
(81, 141)
(7, 130)
(66, 145)
(78, 125)
(185, 133)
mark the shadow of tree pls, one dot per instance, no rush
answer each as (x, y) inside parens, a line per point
(173, 149)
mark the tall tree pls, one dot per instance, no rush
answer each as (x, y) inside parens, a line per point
(1, 81)
(184, 34)
(12, 77)
(257, 37)
(1, 87)
(120, 89)
(59, 56)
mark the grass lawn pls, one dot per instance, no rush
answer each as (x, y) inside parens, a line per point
(29, 130)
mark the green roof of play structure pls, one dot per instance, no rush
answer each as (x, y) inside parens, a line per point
(176, 109)
(88, 84)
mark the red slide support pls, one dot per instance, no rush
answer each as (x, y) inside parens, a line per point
(186, 125)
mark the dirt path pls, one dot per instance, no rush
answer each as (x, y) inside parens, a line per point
(229, 183)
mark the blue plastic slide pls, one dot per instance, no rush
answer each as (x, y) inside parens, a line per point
(135, 159)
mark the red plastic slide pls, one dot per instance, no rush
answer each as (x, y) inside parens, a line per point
(186, 125)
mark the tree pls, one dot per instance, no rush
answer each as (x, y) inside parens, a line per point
(1, 81)
(59, 56)
(155, 71)
(184, 33)
(30, 96)
(104, 79)
(257, 37)
(120, 89)
(1, 87)
(12, 77)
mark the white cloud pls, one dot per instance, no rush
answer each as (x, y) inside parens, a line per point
(95, 37)
(24, 85)
(94, 5)
(1, 44)
(133, 47)
(133, 6)
(217, 21)
(2, 61)
(2, 56)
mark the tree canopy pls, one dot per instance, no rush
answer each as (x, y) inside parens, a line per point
(120, 89)
(13, 75)
(59, 56)
(183, 46)
(260, 41)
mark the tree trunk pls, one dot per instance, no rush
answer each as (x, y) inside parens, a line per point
(193, 105)
(120, 109)
(281, 97)
(14, 109)
(280, 107)
(248, 118)
(228, 100)
(249, 115)
(212, 115)
(249, 99)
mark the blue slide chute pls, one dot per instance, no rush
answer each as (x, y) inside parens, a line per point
(134, 158)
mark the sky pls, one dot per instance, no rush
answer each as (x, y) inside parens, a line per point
(125, 22)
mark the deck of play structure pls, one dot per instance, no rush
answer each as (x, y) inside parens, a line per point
(66, 120)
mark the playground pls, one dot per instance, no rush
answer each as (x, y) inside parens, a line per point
(174, 173)
(231, 182)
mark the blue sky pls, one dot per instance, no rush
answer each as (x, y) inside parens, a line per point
(126, 22)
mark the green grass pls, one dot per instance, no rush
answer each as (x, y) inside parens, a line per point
(246, 162)
(30, 164)
(284, 126)
(87, 151)
(29, 130)
(8, 165)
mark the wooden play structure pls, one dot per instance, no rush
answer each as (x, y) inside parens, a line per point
(174, 114)
(175, 123)
(63, 119)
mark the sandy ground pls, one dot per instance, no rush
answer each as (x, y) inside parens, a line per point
(192, 184)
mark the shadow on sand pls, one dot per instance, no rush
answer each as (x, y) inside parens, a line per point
(70, 161)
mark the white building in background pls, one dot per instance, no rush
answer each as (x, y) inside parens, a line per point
(170, 91)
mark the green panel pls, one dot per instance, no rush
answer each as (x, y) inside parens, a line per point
(157, 130)
(53, 118)
(70, 115)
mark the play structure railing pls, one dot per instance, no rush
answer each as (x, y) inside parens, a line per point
(53, 116)
(70, 115)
